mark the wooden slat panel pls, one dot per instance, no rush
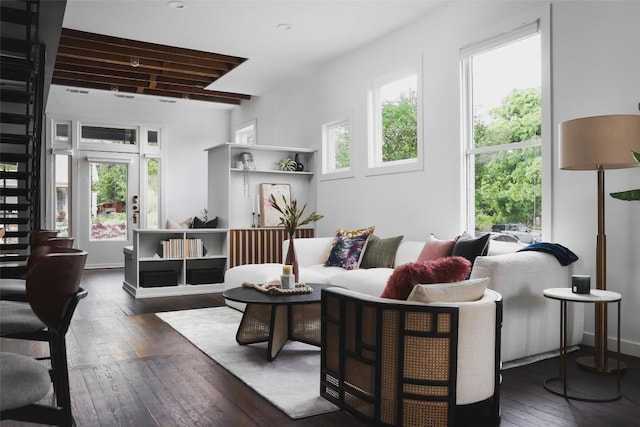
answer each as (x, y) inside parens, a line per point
(259, 245)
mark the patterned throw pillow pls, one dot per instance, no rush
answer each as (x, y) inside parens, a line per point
(347, 249)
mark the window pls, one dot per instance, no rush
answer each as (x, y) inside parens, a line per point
(503, 116)
(62, 210)
(246, 133)
(336, 149)
(62, 132)
(108, 135)
(153, 138)
(152, 192)
(393, 122)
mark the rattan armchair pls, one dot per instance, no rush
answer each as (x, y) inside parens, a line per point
(401, 363)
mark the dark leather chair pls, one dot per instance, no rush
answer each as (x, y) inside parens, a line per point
(15, 289)
(53, 292)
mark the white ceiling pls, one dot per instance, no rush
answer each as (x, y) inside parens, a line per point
(321, 30)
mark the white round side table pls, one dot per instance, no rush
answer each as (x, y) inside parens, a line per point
(596, 296)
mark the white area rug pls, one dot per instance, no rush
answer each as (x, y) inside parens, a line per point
(291, 382)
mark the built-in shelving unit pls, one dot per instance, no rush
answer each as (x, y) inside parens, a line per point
(233, 202)
(185, 272)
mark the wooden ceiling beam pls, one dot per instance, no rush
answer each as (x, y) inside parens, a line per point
(102, 62)
(100, 43)
(68, 61)
(129, 72)
(108, 82)
(156, 92)
(112, 58)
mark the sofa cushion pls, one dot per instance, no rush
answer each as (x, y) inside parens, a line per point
(471, 247)
(466, 290)
(441, 270)
(366, 281)
(172, 225)
(198, 223)
(380, 252)
(347, 250)
(435, 248)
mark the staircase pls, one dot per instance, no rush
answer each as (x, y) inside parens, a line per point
(21, 114)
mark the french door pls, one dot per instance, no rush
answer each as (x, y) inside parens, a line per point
(108, 205)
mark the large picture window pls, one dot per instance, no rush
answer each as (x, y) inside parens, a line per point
(503, 116)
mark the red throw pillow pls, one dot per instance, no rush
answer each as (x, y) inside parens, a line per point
(441, 270)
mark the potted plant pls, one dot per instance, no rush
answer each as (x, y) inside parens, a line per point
(629, 194)
(291, 219)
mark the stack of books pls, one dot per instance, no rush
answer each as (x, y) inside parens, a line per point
(179, 248)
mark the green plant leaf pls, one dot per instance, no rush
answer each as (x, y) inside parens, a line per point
(627, 195)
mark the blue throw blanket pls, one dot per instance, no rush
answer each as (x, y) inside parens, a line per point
(562, 254)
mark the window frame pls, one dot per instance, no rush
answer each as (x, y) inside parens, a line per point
(245, 128)
(513, 30)
(328, 152)
(375, 165)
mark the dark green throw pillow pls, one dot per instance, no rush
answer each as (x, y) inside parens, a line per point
(380, 252)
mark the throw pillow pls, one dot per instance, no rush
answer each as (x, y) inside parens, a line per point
(467, 290)
(435, 248)
(441, 270)
(380, 252)
(171, 225)
(471, 247)
(198, 223)
(356, 232)
(346, 251)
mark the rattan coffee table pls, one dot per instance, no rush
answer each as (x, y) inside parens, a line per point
(277, 319)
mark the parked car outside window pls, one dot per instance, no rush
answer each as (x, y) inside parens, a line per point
(521, 231)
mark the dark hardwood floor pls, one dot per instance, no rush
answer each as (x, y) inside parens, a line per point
(128, 368)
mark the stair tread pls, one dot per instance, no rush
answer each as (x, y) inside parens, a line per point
(14, 15)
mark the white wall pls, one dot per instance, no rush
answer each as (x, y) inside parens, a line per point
(191, 126)
(596, 70)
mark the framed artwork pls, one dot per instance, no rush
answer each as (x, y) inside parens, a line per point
(269, 216)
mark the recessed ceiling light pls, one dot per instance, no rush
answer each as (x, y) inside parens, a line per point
(284, 26)
(175, 4)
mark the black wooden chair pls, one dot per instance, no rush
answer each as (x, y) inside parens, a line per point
(53, 293)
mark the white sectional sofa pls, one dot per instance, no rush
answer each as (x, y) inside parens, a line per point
(531, 322)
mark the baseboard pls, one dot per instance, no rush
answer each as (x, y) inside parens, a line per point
(626, 347)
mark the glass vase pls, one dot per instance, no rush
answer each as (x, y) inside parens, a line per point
(292, 259)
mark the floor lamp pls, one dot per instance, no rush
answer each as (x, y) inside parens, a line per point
(600, 143)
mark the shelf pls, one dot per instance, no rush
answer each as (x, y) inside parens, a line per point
(142, 258)
(274, 171)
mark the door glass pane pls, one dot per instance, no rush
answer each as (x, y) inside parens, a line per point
(108, 201)
(62, 194)
(153, 193)
(108, 135)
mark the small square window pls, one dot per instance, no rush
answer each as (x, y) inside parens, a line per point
(336, 147)
(246, 134)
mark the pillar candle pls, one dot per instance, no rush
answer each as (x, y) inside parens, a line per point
(287, 270)
(253, 203)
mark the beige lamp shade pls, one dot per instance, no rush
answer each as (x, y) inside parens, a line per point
(606, 141)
